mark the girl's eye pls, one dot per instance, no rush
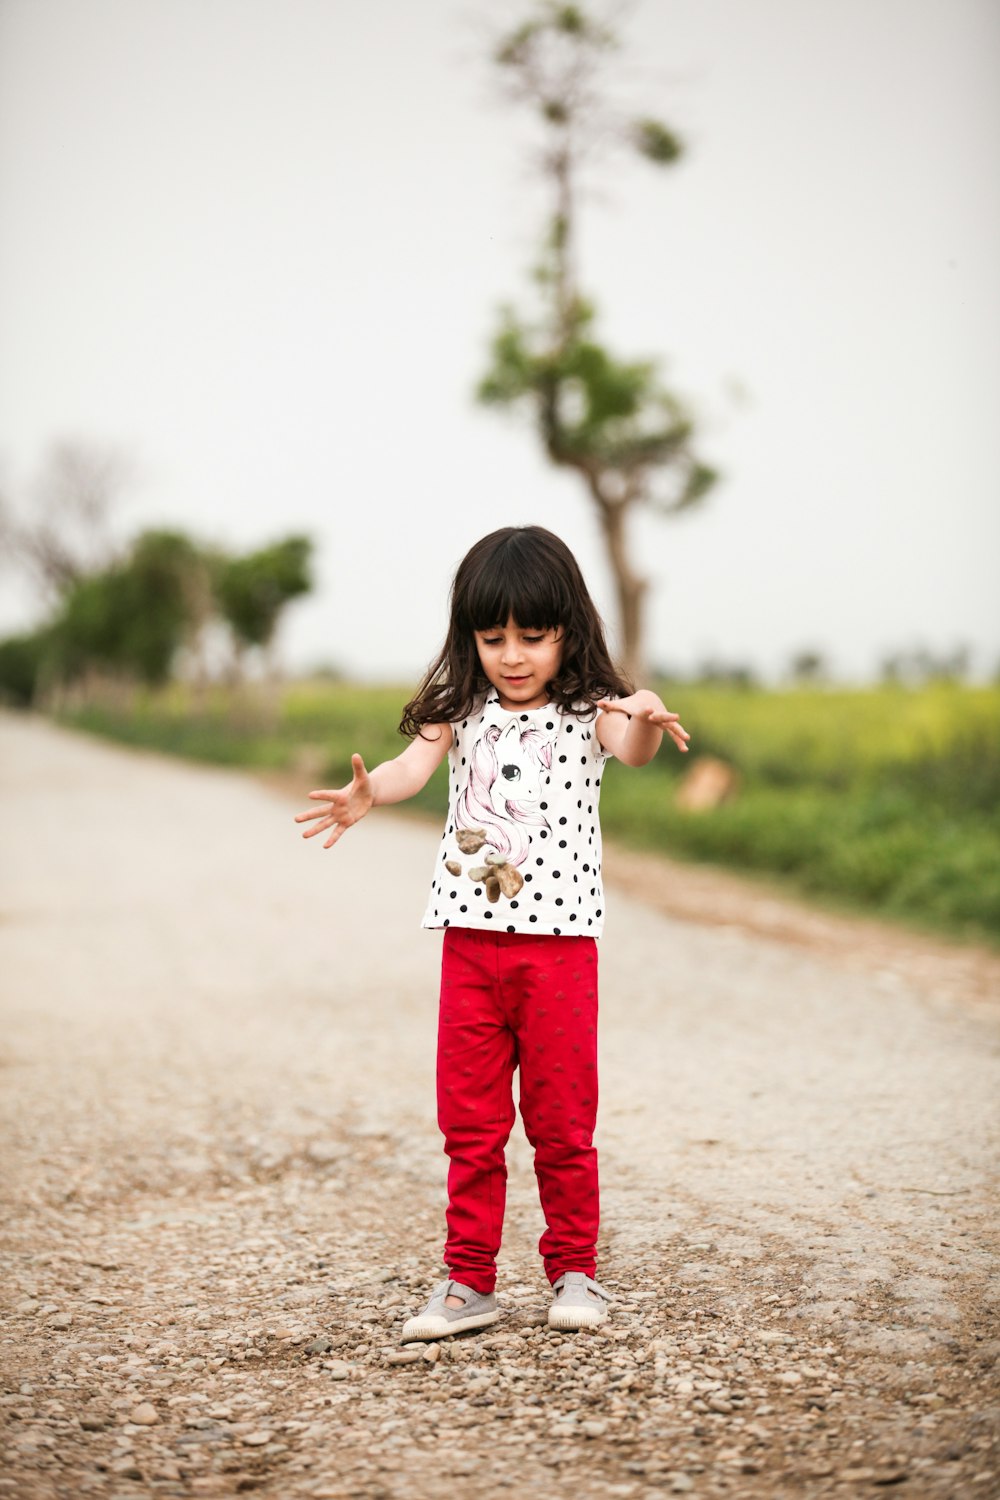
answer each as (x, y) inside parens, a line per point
(533, 640)
(491, 640)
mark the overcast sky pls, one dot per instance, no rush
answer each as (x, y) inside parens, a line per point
(259, 246)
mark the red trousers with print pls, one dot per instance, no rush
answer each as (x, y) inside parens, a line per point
(513, 1000)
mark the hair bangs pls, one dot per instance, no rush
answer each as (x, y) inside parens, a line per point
(515, 583)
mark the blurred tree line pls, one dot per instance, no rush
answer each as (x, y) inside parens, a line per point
(137, 612)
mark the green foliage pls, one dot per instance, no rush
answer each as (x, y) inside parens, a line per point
(887, 800)
(253, 590)
(654, 141)
(132, 617)
(595, 408)
(22, 659)
(521, 48)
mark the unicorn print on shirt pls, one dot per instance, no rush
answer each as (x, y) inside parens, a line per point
(508, 772)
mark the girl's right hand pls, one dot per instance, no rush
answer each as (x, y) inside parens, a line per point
(345, 807)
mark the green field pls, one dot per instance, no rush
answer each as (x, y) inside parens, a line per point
(885, 799)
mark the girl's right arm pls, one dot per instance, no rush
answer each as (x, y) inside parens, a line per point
(392, 781)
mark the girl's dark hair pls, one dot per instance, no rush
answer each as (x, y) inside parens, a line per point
(527, 574)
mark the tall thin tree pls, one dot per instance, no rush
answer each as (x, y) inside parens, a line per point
(611, 420)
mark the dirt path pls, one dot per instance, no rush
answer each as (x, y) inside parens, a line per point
(222, 1181)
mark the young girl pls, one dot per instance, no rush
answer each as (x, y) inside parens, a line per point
(527, 705)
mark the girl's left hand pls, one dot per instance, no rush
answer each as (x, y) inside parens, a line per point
(646, 705)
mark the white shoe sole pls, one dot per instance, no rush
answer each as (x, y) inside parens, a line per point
(568, 1318)
(441, 1328)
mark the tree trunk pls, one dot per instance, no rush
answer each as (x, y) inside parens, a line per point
(629, 587)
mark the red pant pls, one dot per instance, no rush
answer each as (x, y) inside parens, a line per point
(513, 1000)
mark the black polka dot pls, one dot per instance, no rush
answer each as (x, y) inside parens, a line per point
(559, 901)
(538, 895)
(463, 908)
(514, 905)
(562, 760)
(511, 929)
(532, 918)
(562, 820)
(569, 729)
(562, 845)
(555, 874)
(538, 861)
(488, 915)
(544, 806)
(556, 931)
(524, 718)
(447, 922)
(550, 725)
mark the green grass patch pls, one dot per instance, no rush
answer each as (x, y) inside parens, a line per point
(885, 798)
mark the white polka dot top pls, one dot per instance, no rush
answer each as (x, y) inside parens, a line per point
(521, 850)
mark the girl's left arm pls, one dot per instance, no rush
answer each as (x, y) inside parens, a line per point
(631, 728)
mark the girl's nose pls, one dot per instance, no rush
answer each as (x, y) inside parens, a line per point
(511, 653)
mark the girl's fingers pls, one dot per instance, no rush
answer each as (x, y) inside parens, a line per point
(306, 817)
(310, 833)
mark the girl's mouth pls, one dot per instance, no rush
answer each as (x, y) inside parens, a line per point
(515, 680)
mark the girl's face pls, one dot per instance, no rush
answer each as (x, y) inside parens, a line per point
(519, 661)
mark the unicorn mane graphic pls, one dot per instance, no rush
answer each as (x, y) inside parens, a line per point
(506, 780)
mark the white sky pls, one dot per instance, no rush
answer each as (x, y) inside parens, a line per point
(259, 245)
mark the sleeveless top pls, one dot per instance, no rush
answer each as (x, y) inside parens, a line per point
(521, 850)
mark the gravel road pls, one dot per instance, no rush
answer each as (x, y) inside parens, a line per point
(223, 1184)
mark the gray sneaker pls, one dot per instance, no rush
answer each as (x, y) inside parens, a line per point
(579, 1302)
(436, 1321)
